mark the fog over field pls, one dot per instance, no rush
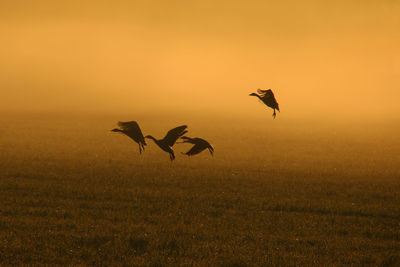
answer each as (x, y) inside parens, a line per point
(316, 186)
(275, 193)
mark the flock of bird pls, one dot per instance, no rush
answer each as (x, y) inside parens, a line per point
(133, 131)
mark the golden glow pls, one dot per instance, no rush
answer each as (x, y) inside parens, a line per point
(340, 58)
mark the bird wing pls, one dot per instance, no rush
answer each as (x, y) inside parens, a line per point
(266, 93)
(174, 134)
(196, 149)
(268, 98)
(188, 140)
(128, 125)
(201, 141)
(132, 129)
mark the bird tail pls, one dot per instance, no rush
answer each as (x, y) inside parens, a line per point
(211, 149)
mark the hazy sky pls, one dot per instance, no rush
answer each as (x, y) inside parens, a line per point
(325, 57)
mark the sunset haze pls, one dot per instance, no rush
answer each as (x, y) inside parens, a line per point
(337, 58)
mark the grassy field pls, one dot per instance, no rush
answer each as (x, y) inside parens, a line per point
(276, 193)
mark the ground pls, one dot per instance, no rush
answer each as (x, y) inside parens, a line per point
(276, 193)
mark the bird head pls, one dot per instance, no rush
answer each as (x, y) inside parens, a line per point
(253, 94)
(116, 130)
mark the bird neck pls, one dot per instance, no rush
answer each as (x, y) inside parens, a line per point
(160, 143)
(254, 94)
(151, 137)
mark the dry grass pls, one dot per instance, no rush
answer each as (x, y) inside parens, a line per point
(275, 194)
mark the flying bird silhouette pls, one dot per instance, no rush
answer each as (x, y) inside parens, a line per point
(268, 98)
(169, 140)
(132, 130)
(199, 145)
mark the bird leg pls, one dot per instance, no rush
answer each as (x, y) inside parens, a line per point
(140, 149)
(274, 114)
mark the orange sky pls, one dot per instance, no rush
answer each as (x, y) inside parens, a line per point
(338, 58)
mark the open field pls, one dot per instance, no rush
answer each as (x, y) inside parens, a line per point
(276, 193)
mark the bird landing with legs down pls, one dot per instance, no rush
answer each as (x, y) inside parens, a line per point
(169, 140)
(268, 98)
(132, 130)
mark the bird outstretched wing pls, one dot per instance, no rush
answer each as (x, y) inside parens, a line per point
(268, 97)
(196, 149)
(174, 134)
(266, 93)
(188, 140)
(129, 125)
(132, 129)
(199, 147)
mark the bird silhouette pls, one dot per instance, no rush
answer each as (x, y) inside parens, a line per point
(132, 130)
(268, 98)
(199, 145)
(169, 140)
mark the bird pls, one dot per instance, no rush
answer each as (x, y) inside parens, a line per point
(268, 98)
(199, 145)
(169, 140)
(132, 130)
